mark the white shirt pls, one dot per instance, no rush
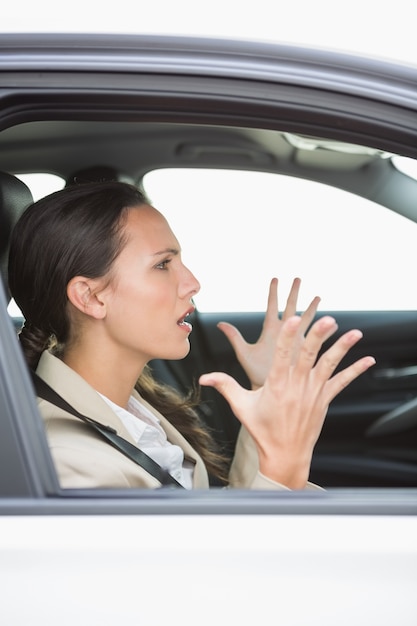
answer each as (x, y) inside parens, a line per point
(151, 438)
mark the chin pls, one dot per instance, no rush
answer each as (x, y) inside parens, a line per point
(184, 352)
(175, 355)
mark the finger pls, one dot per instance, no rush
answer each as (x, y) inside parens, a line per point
(342, 379)
(309, 314)
(272, 304)
(286, 347)
(321, 330)
(329, 361)
(226, 385)
(306, 319)
(291, 305)
(233, 335)
(333, 356)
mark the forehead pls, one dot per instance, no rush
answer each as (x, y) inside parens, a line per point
(146, 225)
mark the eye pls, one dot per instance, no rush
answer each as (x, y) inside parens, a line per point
(163, 265)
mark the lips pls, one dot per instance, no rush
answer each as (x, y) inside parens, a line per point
(183, 323)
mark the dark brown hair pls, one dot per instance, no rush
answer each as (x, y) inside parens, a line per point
(78, 232)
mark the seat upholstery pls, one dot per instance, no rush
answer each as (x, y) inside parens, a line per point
(15, 197)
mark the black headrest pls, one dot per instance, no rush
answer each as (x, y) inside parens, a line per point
(15, 197)
(97, 173)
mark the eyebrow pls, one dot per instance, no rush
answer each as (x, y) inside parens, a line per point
(173, 251)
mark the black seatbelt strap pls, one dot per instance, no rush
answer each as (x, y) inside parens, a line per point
(46, 392)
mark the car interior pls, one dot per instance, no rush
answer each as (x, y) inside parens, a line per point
(370, 434)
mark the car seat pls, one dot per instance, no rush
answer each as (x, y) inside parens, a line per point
(15, 197)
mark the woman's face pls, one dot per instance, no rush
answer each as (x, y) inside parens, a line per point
(150, 292)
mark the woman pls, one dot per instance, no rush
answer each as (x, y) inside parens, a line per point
(98, 276)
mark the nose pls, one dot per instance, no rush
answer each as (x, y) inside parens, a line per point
(189, 284)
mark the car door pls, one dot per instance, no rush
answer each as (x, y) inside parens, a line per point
(235, 113)
(66, 100)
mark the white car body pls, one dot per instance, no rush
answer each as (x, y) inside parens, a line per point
(331, 558)
(148, 570)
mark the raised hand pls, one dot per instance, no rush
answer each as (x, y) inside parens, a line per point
(256, 359)
(285, 416)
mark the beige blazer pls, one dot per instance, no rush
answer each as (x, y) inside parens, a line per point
(83, 459)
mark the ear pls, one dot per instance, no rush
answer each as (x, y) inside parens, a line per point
(83, 293)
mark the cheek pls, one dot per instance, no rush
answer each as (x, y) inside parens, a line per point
(143, 300)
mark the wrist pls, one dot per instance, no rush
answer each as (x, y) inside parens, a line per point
(293, 475)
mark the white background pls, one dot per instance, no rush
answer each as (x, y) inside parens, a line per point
(372, 27)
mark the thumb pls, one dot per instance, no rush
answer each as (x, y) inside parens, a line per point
(232, 334)
(224, 384)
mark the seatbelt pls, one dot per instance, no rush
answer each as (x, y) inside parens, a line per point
(46, 392)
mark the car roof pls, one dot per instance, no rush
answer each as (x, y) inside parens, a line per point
(204, 71)
(358, 28)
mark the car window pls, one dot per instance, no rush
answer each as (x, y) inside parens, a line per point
(237, 229)
(41, 184)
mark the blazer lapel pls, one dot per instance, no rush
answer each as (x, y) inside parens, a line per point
(77, 392)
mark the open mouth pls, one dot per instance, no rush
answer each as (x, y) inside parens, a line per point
(184, 324)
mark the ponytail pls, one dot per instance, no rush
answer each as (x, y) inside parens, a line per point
(33, 342)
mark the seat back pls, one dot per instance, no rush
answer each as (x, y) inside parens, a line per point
(15, 197)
